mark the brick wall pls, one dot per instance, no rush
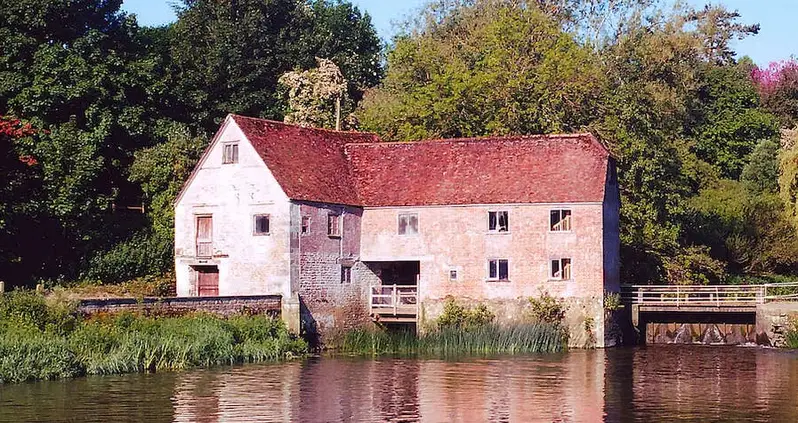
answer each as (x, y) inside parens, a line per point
(223, 306)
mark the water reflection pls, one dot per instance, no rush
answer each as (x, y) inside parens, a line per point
(654, 384)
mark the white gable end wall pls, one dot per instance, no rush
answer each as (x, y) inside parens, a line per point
(233, 194)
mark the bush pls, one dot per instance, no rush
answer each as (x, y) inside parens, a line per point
(145, 253)
(547, 309)
(456, 316)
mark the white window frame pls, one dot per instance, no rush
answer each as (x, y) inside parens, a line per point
(399, 217)
(304, 229)
(255, 224)
(498, 230)
(570, 220)
(453, 271)
(498, 272)
(234, 152)
(570, 269)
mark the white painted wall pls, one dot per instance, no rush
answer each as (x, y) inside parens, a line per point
(233, 194)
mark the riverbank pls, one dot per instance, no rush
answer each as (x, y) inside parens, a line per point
(47, 339)
(455, 341)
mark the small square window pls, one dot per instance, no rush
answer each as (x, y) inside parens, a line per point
(498, 221)
(261, 224)
(334, 224)
(305, 224)
(346, 274)
(560, 220)
(408, 224)
(498, 270)
(452, 274)
(561, 269)
(230, 153)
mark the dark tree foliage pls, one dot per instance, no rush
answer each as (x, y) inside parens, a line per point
(228, 56)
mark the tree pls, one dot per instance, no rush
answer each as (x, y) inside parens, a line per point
(778, 86)
(315, 96)
(484, 69)
(228, 56)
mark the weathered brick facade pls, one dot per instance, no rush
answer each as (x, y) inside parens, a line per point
(223, 306)
(300, 177)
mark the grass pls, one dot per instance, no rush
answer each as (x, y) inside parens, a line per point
(45, 339)
(453, 341)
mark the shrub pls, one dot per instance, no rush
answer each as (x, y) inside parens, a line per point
(612, 301)
(547, 309)
(455, 315)
(145, 253)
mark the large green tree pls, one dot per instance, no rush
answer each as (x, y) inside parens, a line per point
(228, 56)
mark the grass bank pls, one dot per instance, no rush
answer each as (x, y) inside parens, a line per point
(454, 341)
(46, 339)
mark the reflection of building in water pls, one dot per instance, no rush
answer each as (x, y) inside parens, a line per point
(567, 388)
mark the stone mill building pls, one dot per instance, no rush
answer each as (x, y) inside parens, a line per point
(359, 230)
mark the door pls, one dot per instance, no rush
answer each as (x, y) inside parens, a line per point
(204, 236)
(208, 281)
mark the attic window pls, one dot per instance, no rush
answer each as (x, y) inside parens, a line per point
(230, 153)
(498, 221)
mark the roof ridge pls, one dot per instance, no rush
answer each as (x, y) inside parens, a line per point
(480, 139)
(312, 128)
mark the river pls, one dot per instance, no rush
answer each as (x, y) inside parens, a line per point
(658, 383)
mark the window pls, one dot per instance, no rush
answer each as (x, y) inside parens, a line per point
(204, 236)
(408, 224)
(497, 221)
(305, 224)
(230, 153)
(334, 224)
(346, 274)
(498, 270)
(560, 220)
(452, 274)
(561, 269)
(261, 224)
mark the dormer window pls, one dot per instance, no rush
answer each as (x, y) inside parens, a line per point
(230, 153)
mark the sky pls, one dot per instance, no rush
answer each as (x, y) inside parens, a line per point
(776, 39)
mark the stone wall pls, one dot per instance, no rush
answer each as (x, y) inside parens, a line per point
(584, 317)
(223, 306)
(772, 319)
(329, 303)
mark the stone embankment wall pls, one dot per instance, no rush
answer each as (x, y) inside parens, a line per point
(223, 306)
(772, 320)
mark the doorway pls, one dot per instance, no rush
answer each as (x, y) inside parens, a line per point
(207, 281)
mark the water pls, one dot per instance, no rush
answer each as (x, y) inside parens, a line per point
(659, 383)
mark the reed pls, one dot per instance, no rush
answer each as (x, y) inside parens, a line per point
(522, 338)
(44, 341)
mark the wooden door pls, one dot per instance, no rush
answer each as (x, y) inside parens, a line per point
(204, 236)
(208, 281)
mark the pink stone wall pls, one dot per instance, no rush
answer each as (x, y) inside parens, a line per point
(329, 304)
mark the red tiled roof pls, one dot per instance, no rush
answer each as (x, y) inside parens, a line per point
(354, 168)
(536, 169)
(308, 163)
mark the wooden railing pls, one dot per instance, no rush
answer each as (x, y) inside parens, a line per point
(716, 295)
(394, 300)
(204, 249)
